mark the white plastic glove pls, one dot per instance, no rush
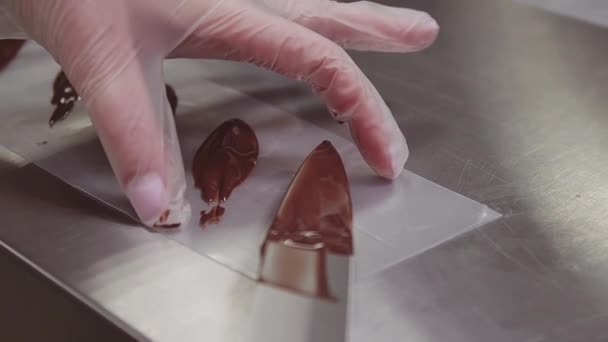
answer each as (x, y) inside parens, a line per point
(112, 51)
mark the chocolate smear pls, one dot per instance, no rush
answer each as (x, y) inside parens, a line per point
(9, 48)
(317, 209)
(212, 216)
(315, 218)
(222, 163)
(65, 97)
(162, 221)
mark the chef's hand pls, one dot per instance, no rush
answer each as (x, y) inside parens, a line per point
(112, 51)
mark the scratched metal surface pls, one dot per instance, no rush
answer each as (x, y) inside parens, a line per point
(592, 11)
(508, 108)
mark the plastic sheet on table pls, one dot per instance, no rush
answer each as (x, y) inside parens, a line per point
(392, 220)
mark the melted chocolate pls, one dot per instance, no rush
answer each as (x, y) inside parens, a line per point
(162, 221)
(212, 216)
(317, 210)
(314, 218)
(223, 162)
(9, 48)
(65, 97)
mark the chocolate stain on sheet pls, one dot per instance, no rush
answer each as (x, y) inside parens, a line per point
(222, 163)
(212, 216)
(162, 221)
(65, 97)
(315, 218)
(317, 209)
(9, 48)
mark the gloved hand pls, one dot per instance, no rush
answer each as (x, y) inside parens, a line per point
(112, 51)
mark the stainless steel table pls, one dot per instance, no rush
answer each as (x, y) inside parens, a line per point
(508, 108)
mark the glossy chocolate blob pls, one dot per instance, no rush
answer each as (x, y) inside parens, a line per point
(65, 97)
(315, 218)
(9, 48)
(224, 161)
(317, 209)
(212, 216)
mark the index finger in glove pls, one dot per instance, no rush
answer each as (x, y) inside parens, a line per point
(134, 121)
(268, 40)
(362, 25)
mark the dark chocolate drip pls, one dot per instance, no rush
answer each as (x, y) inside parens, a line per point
(223, 162)
(212, 216)
(317, 210)
(65, 97)
(9, 48)
(314, 218)
(162, 221)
